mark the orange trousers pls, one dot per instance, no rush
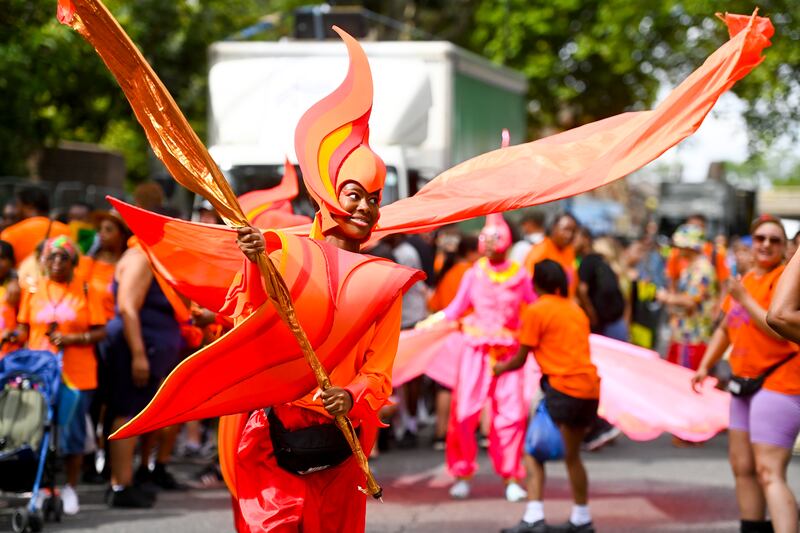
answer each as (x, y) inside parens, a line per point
(271, 499)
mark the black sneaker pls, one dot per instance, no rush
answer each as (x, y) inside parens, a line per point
(407, 441)
(143, 480)
(600, 434)
(569, 527)
(527, 527)
(129, 497)
(209, 477)
(165, 480)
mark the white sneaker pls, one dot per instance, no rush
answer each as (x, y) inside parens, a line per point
(70, 500)
(515, 493)
(460, 490)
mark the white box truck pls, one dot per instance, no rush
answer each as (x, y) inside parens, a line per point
(435, 105)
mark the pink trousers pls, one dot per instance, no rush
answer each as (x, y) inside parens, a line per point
(474, 386)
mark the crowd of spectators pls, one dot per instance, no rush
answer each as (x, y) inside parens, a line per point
(78, 283)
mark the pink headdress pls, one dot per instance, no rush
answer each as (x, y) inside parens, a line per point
(496, 227)
(497, 230)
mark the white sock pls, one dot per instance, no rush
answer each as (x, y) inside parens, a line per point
(580, 515)
(411, 424)
(534, 511)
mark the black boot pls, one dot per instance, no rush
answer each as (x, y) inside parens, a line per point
(756, 526)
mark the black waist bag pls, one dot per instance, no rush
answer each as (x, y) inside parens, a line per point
(743, 387)
(307, 450)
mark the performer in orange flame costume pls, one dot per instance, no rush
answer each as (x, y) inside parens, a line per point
(280, 490)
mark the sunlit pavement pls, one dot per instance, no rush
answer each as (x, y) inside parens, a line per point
(635, 487)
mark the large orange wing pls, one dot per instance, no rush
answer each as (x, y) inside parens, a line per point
(584, 158)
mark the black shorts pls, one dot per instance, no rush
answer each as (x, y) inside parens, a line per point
(568, 410)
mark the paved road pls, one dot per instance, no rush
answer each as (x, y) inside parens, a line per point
(635, 487)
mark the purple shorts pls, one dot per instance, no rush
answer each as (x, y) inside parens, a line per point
(770, 417)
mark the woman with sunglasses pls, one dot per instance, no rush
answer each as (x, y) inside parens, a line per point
(765, 421)
(63, 313)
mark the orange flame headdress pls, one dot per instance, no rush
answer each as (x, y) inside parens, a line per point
(332, 140)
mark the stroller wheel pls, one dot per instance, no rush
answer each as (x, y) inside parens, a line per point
(58, 508)
(36, 521)
(47, 508)
(20, 519)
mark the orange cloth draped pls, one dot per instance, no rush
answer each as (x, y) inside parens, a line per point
(25, 235)
(259, 363)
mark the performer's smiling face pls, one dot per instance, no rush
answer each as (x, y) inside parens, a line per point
(363, 208)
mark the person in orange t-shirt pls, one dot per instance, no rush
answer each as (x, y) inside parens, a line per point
(35, 227)
(450, 278)
(62, 313)
(557, 246)
(557, 331)
(98, 268)
(763, 423)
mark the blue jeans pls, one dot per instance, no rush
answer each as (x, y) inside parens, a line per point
(72, 439)
(616, 330)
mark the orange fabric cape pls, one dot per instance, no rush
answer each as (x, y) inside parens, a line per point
(259, 363)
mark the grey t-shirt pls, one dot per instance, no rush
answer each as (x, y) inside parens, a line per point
(415, 307)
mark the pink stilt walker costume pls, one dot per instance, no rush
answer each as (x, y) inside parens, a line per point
(495, 289)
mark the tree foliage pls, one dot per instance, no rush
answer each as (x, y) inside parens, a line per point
(584, 59)
(54, 85)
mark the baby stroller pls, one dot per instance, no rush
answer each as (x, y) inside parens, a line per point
(29, 384)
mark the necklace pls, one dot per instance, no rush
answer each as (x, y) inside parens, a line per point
(498, 276)
(54, 306)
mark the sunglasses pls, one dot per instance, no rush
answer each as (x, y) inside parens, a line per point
(767, 238)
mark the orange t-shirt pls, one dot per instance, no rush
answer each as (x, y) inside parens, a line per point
(677, 263)
(25, 235)
(753, 350)
(100, 276)
(8, 318)
(447, 288)
(564, 257)
(557, 330)
(75, 307)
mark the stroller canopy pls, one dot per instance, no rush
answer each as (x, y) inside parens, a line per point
(42, 366)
